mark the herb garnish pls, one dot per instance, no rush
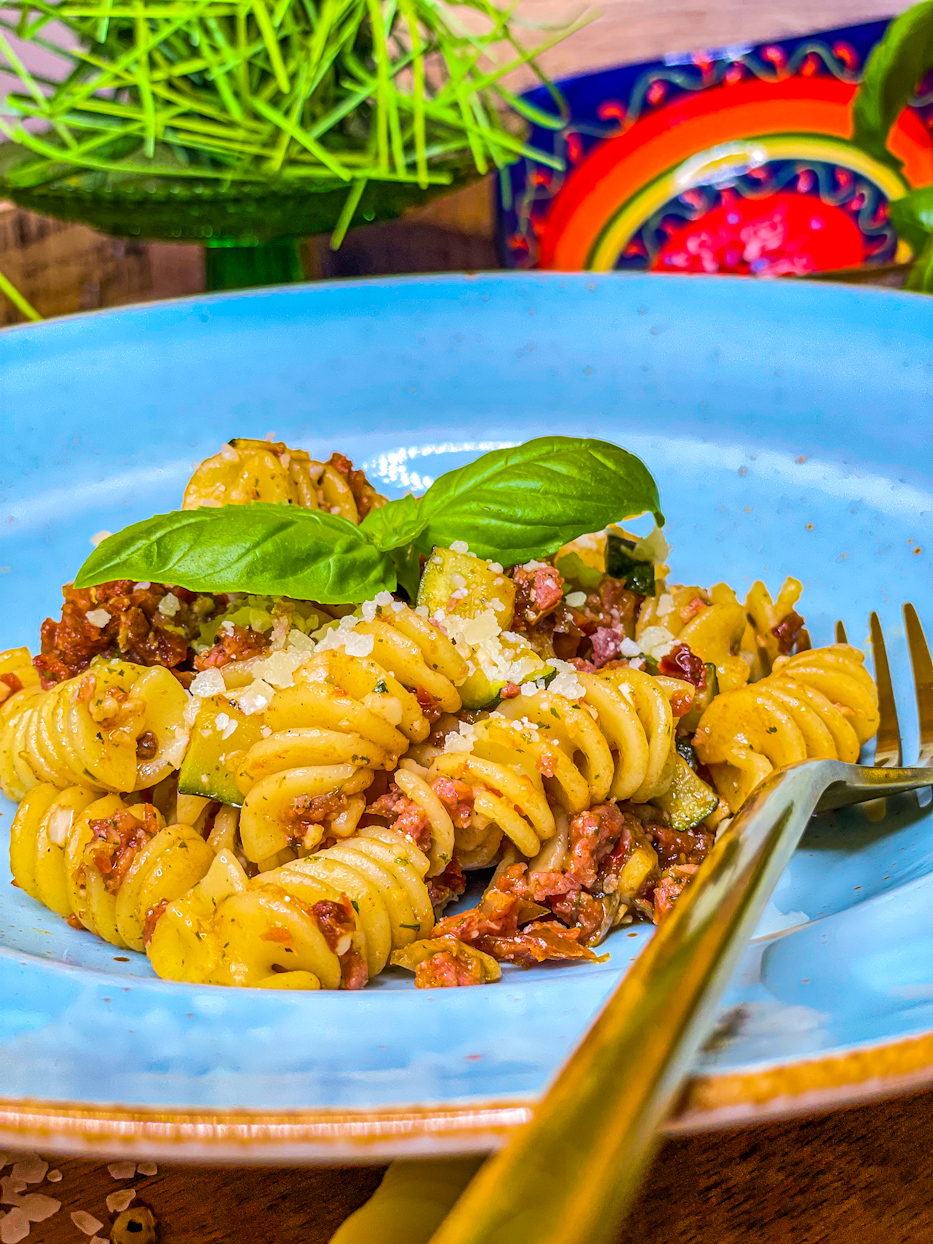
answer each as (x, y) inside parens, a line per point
(510, 505)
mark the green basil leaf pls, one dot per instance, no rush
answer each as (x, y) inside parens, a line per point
(515, 504)
(268, 549)
(912, 217)
(396, 524)
(892, 74)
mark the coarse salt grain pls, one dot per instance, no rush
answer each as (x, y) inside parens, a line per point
(37, 1206)
(14, 1226)
(86, 1222)
(31, 1167)
(117, 1202)
(169, 605)
(147, 1168)
(99, 537)
(98, 618)
(576, 599)
(10, 1189)
(208, 682)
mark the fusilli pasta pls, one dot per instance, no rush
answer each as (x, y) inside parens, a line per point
(119, 727)
(332, 919)
(249, 470)
(820, 704)
(107, 863)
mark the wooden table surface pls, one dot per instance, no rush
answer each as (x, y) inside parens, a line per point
(858, 1176)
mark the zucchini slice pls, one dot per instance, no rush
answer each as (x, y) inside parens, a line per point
(204, 770)
(689, 800)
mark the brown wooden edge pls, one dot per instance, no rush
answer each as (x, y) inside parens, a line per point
(339, 1137)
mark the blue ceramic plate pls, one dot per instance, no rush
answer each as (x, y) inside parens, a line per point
(789, 426)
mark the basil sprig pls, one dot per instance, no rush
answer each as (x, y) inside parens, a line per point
(511, 505)
(892, 74)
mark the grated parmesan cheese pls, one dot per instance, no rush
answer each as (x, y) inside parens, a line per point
(357, 645)
(257, 696)
(98, 618)
(208, 682)
(576, 599)
(99, 536)
(657, 641)
(565, 682)
(169, 605)
(460, 546)
(628, 648)
(461, 739)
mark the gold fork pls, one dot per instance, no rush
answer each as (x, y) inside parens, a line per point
(571, 1173)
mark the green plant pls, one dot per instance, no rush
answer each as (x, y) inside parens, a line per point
(256, 119)
(894, 71)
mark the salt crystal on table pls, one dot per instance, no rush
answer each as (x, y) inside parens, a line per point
(122, 1170)
(37, 1206)
(86, 1222)
(10, 1188)
(32, 1168)
(14, 1227)
(147, 1168)
(54, 1177)
(117, 1202)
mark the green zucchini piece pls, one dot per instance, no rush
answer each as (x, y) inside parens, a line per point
(473, 586)
(689, 800)
(481, 692)
(204, 770)
(638, 576)
(701, 700)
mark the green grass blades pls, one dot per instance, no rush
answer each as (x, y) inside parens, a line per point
(327, 94)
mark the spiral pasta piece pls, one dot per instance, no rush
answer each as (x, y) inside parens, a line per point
(249, 470)
(344, 718)
(817, 705)
(761, 645)
(544, 752)
(111, 865)
(330, 920)
(711, 624)
(118, 727)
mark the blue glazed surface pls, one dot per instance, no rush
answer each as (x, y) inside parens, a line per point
(789, 426)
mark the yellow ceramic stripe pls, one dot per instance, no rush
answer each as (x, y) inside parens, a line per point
(620, 230)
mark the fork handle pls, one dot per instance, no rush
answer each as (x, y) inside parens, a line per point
(569, 1175)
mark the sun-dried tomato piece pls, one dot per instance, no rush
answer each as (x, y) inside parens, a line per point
(682, 663)
(788, 631)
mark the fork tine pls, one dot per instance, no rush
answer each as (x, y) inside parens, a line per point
(923, 682)
(841, 634)
(888, 749)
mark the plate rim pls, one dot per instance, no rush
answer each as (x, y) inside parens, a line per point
(341, 1137)
(322, 1136)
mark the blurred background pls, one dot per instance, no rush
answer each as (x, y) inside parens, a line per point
(63, 267)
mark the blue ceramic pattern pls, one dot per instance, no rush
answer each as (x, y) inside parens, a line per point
(789, 426)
